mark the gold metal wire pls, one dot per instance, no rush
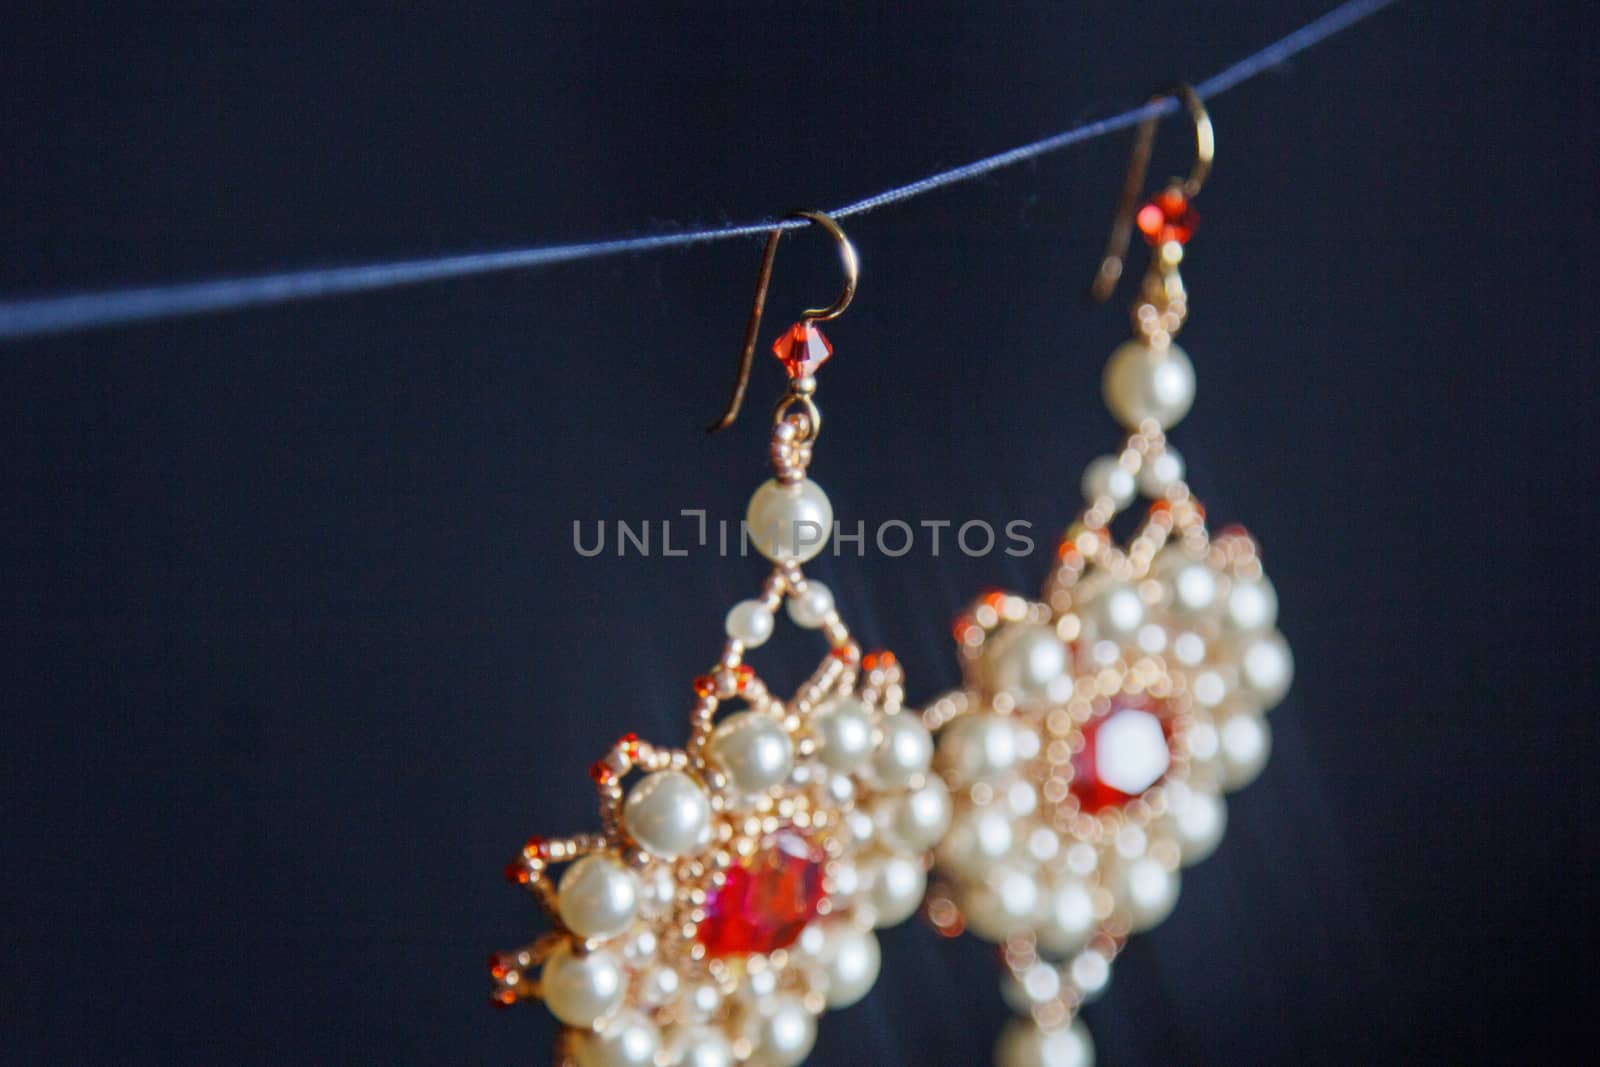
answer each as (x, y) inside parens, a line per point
(752, 330)
(1111, 265)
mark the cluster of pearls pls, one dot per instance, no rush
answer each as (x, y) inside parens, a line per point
(635, 991)
(1097, 731)
(668, 950)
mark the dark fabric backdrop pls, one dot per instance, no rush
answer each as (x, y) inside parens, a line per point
(297, 649)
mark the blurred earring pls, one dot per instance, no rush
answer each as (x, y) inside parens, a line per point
(730, 895)
(1097, 728)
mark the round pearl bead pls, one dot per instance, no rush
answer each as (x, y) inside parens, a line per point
(1148, 383)
(1194, 588)
(843, 731)
(904, 751)
(895, 888)
(1039, 984)
(1266, 667)
(810, 609)
(1148, 891)
(668, 814)
(787, 1033)
(1090, 972)
(1007, 902)
(630, 1040)
(789, 522)
(1115, 611)
(1069, 919)
(749, 623)
(1252, 606)
(598, 897)
(701, 1001)
(978, 839)
(1030, 662)
(1023, 1044)
(1196, 819)
(753, 750)
(579, 990)
(701, 1046)
(851, 960)
(975, 748)
(920, 818)
(1156, 474)
(1245, 742)
(658, 985)
(1106, 477)
(658, 890)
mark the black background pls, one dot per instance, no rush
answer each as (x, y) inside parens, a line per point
(297, 649)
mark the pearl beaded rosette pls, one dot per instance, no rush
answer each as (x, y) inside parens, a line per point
(1096, 730)
(732, 892)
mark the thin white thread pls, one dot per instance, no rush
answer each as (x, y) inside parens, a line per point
(34, 316)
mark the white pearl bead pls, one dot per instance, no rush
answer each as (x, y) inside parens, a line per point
(843, 731)
(1194, 588)
(975, 748)
(896, 885)
(1147, 890)
(1158, 473)
(1106, 477)
(668, 814)
(630, 1040)
(810, 609)
(1252, 606)
(904, 751)
(1039, 984)
(701, 1046)
(1023, 1044)
(1090, 971)
(851, 960)
(582, 989)
(1196, 819)
(1148, 383)
(702, 1001)
(1030, 662)
(658, 891)
(1266, 667)
(749, 623)
(921, 817)
(753, 750)
(598, 897)
(1008, 901)
(1069, 919)
(1245, 742)
(658, 986)
(978, 839)
(787, 1033)
(1115, 611)
(789, 522)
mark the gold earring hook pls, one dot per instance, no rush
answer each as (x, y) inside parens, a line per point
(1105, 279)
(752, 330)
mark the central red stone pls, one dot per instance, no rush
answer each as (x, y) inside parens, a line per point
(767, 900)
(1126, 750)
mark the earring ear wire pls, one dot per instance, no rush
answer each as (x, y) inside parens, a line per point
(1111, 264)
(852, 274)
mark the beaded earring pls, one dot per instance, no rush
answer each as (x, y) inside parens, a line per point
(1097, 728)
(732, 890)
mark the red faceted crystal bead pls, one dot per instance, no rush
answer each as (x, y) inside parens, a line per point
(802, 349)
(767, 900)
(1126, 750)
(1167, 216)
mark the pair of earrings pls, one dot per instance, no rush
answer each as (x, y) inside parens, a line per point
(732, 892)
